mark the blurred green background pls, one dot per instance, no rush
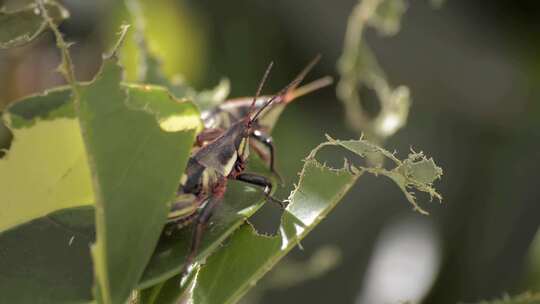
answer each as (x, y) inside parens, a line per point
(473, 68)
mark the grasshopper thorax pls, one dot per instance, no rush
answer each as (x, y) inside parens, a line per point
(223, 153)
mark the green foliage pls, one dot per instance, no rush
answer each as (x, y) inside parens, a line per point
(416, 172)
(526, 298)
(234, 268)
(124, 177)
(150, 69)
(47, 156)
(359, 69)
(20, 27)
(99, 163)
(533, 277)
(47, 259)
(128, 178)
(240, 202)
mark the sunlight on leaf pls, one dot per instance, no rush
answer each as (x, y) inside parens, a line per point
(122, 144)
(128, 177)
(172, 32)
(45, 168)
(48, 156)
(150, 68)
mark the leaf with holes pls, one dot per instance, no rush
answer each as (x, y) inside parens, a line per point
(22, 26)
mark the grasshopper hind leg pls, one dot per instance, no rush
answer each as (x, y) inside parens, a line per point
(200, 221)
(261, 181)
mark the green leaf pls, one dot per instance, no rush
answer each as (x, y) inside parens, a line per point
(167, 292)
(136, 161)
(47, 260)
(46, 167)
(22, 26)
(240, 202)
(137, 156)
(48, 156)
(415, 172)
(246, 256)
(150, 68)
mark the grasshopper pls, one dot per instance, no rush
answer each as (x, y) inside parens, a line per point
(205, 181)
(222, 117)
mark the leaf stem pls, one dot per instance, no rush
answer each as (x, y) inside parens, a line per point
(66, 67)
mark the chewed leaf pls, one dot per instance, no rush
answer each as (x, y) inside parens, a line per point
(421, 169)
(247, 256)
(172, 116)
(416, 172)
(387, 17)
(359, 69)
(136, 167)
(45, 172)
(22, 26)
(361, 147)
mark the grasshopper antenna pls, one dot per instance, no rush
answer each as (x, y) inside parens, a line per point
(280, 94)
(289, 89)
(308, 88)
(308, 68)
(302, 75)
(261, 85)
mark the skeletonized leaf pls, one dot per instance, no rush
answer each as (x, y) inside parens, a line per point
(22, 26)
(415, 172)
(359, 69)
(387, 16)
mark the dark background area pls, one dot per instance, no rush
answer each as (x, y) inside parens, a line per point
(473, 68)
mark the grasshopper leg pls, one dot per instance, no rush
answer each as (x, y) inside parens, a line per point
(201, 220)
(266, 140)
(261, 181)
